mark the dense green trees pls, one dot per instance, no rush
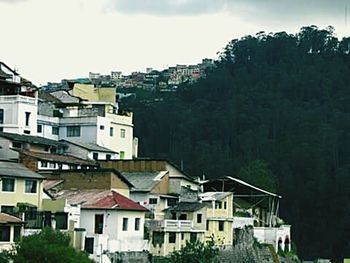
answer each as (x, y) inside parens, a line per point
(48, 246)
(279, 98)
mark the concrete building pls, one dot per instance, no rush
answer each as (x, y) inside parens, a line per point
(11, 230)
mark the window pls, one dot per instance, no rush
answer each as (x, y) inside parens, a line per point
(52, 165)
(111, 131)
(44, 164)
(1, 116)
(172, 201)
(17, 145)
(137, 224)
(108, 157)
(122, 133)
(62, 220)
(199, 218)
(98, 224)
(39, 128)
(153, 201)
(95, 156)
(17, 234)
(121, 155)
(26, 132)
(182, 236)
(183, 217)
(5, 233)
(31, 186)
(73, 131)
(225, 205)
(221, 225)
(157, 238)
(125, 224)
(55, 130)
(207, 226)
(102, 127)
(218, 205)
(8, 209)
(8, 185)
(27, 118)
(172, 237)
(193, 237)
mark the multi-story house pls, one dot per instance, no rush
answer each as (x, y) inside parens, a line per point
(219, 223)
(11, 229)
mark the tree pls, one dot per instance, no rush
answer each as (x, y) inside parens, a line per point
(195, 252)
(47, 246)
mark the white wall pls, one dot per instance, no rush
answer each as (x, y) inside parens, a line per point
(47, 124)
(15, 107)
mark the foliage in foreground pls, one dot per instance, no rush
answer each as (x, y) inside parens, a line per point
(48, 246)
(195, 252)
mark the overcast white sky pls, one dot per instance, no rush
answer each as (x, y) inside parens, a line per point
(48, 40)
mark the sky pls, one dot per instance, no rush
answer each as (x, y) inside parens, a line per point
(50, 40)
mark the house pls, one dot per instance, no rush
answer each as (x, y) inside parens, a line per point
(219, 223)
(151, 190)
(258, 208)
(89, 151)
(12, 143)
(183, 222)
(110, 221)
(19, 186)
(11, 229)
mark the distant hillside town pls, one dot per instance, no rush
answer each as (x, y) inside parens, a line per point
(69, 160)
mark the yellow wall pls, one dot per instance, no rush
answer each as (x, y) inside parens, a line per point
(19, 196)
(90, 93)
(54, 205)
(222, 213)
(220, 237)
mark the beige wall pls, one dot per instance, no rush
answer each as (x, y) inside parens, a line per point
(19, 196)
(89, 92)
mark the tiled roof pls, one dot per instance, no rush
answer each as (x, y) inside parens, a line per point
(12, 169)
(89, 146)
(6, 219)
(186, 207)
(99, 199)
(61, 158)
(142, 181)
(30, 139)
(49, 184)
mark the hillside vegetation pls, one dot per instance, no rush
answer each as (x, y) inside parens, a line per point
(276, 109)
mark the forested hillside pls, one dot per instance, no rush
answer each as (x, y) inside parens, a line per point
(275, 108)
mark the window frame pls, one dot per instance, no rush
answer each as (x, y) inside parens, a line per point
(13, 187)
(73, 131)
(125, 224)
(31, 186)
(137, 224)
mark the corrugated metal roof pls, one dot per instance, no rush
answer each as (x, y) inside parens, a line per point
(99, 199)
(12, 169)
(209, 196)
(89, 146)
(30, 139)
(144, 181)
(8, 219)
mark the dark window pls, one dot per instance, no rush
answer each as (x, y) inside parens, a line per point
(207, 226)
(172, 237)
(182, 236)
(95, 156)
(31, 186)
(98, 224)
(52, 165)
(153, 201)
(4, 233)
(17, 145)
(125, 224)
(108, 157)
(199, 218)
(111, 131)
(8, 209)
(1, 116)
(44, 164)
(172, 202)
(122, 133)
(157, 238)
(8, 184)
(39, 128)
(73, 131)
(225, 205)
(221, 225)
(218, 205)
(26, 132)
(193, 237)
(62, 220)
(137, 224)
(27, 118)
(183, 217)
(55, 130)
(102, 127)
(17, 234)
(89, 245)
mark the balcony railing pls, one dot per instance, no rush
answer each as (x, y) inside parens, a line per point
(171, 225)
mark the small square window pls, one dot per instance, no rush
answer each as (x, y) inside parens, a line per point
(8, 184)
(55, 130)
(122, 133)
(39, 128)
(108, 157)
(153, 201)
(31, 186)
(102, 127)
(44, 164)
(95, 156)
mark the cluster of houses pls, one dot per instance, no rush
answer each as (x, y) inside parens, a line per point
(166, 80)
(69, 160)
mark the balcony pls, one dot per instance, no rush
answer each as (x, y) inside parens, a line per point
(18, 99)
(171, 225)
